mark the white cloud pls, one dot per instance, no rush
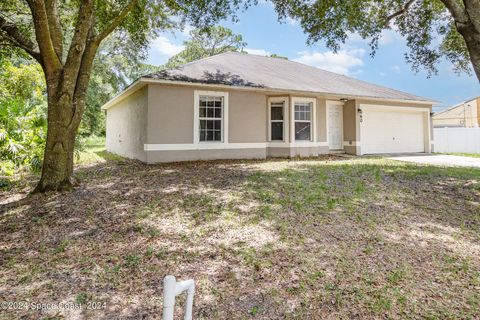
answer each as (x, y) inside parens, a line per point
(386, 37)
(341, 62)
(259, 52)
(166, 47)
(292, 22)
(266, 3)
(186, 30)
(383, 74)
(395, 68)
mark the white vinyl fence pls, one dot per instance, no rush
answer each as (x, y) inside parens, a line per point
(457, 140)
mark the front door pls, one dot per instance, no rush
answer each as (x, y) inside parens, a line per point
(335, 125)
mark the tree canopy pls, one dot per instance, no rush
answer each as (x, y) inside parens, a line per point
(64, 37)
(207, 42)
(432, 28)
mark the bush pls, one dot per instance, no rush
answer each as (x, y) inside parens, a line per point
(23, 123)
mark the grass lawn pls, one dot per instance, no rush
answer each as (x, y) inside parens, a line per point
(322, 238)
(472, 155)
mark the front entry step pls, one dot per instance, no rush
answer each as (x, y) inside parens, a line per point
(340, 151)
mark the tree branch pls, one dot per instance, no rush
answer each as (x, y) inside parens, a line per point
(54, 27)
(77, 46)
(456, 9)
(399, 12)
(14, 35)
(50, 59)
(83, 80)
(117, 21)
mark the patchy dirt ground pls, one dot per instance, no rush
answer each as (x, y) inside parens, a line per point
(323, 238)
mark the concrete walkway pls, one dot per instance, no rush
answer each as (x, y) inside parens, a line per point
(439, 160)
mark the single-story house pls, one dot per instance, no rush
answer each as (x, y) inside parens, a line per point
(237, 105)
(465, 114)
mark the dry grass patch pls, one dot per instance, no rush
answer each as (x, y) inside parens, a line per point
(304, 239)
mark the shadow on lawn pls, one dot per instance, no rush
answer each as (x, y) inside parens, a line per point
(270, 239)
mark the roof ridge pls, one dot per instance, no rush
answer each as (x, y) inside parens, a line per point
(317, 68)
(456, 105)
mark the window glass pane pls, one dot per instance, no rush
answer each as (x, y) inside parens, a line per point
(218, 113)
(277, 113)
(218, 135)
(277, 130)
(209, 112)
(307, 112)
(302, 111)
(302, 130)
(209, 135)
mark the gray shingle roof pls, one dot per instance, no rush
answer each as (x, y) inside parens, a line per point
(246, 70)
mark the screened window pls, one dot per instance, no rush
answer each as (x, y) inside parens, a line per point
(276, 121)
(211, 118)
(303, 121)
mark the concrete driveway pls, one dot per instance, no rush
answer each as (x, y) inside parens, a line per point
(439, 160)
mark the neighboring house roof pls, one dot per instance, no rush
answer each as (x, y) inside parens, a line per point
(455, 106)
(242, 70)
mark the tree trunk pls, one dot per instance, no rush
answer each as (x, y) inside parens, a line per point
(467, 22)
(472, 40)
(62, 127)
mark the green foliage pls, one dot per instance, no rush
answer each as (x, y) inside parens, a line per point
(22, 117)
(117, 64)
(205, 43)
(274, 55)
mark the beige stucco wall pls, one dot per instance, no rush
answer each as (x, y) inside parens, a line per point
(349, 121)
(193, 155)
(170, 114)
(126, 124)
(321, 120)
(464, 115)
(247, 117)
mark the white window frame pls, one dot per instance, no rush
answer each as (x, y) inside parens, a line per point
(313, 119)
(196, 118)
(271, 100)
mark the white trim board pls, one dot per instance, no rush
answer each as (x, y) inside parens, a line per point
(229, 146)
(375, 107)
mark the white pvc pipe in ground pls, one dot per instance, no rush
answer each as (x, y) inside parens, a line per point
(171, 289)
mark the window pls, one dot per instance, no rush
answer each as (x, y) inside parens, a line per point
(303, 121)
(211, 118)
(276, 121)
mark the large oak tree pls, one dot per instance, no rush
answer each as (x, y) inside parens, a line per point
(432, 28)
(64, 36)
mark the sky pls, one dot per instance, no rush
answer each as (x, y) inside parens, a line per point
(264, 35)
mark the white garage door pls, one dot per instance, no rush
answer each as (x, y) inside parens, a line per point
(386, 131)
